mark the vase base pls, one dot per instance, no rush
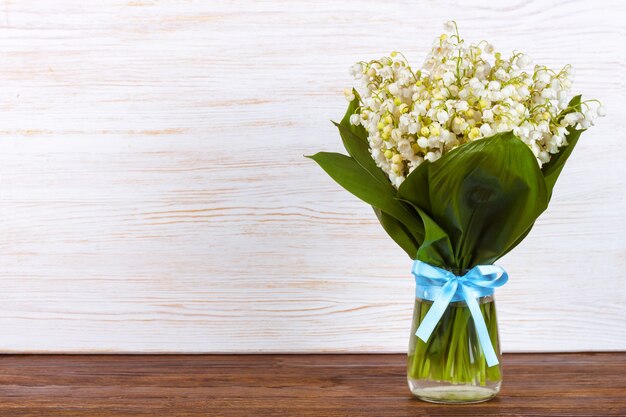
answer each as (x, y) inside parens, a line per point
(457, 394)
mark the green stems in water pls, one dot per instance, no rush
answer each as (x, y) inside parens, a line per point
(453, 353)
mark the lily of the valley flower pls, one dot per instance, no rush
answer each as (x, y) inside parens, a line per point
(462, 93)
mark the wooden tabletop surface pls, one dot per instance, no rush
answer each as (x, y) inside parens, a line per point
(569, 384)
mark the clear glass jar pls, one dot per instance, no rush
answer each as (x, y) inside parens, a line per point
(451, 366)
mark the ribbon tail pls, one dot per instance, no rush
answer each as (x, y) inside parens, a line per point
(436, 311)
(481, 328)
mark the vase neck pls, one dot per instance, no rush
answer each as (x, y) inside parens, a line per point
(459, 272)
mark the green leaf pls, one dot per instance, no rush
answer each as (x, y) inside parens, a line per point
(359, 150)
(355, 141)
(484, 196)
(436, 249)
(415, 189)
(351, 176)
(398, 232)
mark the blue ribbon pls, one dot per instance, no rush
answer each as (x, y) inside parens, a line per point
(443, 287)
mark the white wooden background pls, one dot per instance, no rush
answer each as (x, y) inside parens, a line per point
(154, 197)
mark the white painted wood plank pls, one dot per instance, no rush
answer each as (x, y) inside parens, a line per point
(154, 197)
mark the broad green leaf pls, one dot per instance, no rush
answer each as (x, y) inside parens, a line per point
(359, 150)
(398, 232)
(415, 189)
(351, 176)
(355, 141)
(436, 249)
(483, 195)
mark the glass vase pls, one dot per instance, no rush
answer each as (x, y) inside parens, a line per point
(451, 367)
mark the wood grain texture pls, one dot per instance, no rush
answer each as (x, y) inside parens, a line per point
(154, 197)
(295, 385)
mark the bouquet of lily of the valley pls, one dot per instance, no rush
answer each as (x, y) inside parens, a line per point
(457, 159)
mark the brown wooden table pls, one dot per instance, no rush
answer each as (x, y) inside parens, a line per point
(574, 384)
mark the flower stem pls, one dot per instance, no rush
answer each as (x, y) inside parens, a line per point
(453, 353)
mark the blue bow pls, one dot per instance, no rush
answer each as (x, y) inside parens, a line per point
(443, 287)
